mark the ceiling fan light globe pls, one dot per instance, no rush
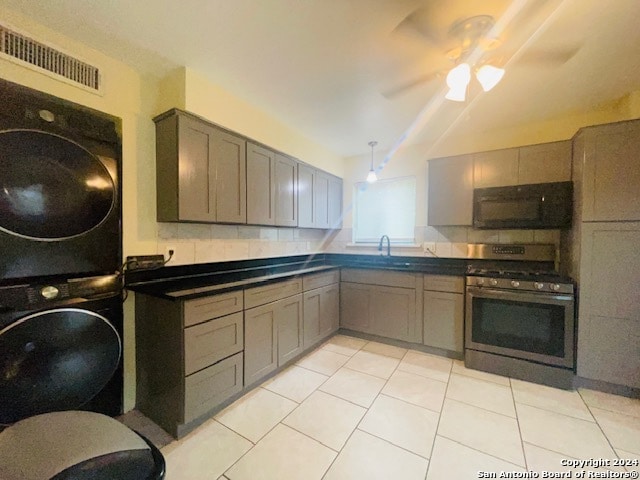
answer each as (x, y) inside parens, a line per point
(459, 77)
(457, 94)
(489, 76)
(372, 177)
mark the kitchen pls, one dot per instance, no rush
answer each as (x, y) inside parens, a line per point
(137, 97)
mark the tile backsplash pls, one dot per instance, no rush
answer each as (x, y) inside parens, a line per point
(447, 241)
(204, 243)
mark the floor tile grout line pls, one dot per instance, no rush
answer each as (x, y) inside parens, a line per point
(480, 451)
(579, 390)
(516, 402)
(237, 433)
(347, 400)
(481, 408)
(515, 409)
(601, 429)
(435, 435)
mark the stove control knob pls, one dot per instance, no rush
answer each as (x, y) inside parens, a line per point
(479, 281)
(493, 282)
(49, 292)
(555, 287)
(538, 285)
(515, 283)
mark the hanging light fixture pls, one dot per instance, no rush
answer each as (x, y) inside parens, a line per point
(372, 177)
(457, 80)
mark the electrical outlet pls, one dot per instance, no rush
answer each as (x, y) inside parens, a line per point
(169, 252)
(429, 248)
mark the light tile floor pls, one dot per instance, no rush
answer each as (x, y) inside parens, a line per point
(354, 409)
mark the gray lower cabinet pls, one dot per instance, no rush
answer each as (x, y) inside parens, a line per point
(444, 312)
(273, 327)
(321, 313)
(188, 357)
(609, 303)
(382, 303)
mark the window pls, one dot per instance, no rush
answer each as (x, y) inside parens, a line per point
(387, 207)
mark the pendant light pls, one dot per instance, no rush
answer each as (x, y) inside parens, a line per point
(372, 177)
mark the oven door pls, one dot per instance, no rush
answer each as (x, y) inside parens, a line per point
(527, 325)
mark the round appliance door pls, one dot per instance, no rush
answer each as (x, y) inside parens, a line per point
(51, 188)
(55, 360)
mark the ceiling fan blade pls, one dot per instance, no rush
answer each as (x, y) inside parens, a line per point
(410, 85)
(555, 57)
(417, 24)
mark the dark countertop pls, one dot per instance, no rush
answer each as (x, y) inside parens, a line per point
(192, 281)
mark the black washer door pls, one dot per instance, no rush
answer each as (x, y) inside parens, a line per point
(50, 187)
(55, 360)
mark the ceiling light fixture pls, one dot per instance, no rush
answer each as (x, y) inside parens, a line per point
(459, 77)
(372, 177)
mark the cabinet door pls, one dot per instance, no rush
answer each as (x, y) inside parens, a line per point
(321, 199)
(444, 320)
(261, 184)
(451, 191)
(286, 191)
(289, 328)
(306, 189)
(393, 313)
(611, 176)
(260, 343)
(231, 178)
(355, 306)
(547, 162)
(496, 168)
(335, 202)
(321, 313)
(196, 171)
(609, 309)
(330, 309)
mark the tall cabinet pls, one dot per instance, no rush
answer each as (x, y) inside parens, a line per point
(603, 252)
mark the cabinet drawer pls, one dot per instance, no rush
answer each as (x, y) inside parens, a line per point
(214, 340)
(272, 292)
(444, 283)
(203, 309)
(317, 280)
(206, 389)
(378, 277)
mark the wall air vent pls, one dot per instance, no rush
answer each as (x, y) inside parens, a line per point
(18, 47)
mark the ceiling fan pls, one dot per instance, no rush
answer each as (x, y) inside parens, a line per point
(475, 47)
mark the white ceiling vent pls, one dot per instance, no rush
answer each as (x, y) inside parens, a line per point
(48, 59)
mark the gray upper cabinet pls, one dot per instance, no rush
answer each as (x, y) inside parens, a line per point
(261, 180)
(546, 162)
(334, 200)
(319, 199)
(451, 191)
(610, 172)
(286, 191)
(495, 168)
(306, 214)
(200, 171)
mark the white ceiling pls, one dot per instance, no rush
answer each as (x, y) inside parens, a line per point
(324, 66)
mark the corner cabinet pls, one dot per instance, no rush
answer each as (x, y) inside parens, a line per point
(384, 303)
(200, 171)
(321, 306)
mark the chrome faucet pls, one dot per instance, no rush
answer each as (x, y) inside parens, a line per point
(388, 245)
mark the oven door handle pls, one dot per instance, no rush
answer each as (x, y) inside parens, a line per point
(516, 296)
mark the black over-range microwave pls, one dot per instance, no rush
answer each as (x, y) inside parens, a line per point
(542, 205)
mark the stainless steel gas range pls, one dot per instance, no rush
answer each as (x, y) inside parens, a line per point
(520, 314)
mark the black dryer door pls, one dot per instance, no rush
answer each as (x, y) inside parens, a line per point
(55, 360)
(51, 188)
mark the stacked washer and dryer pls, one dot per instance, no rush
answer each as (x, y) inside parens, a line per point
(61, 321)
